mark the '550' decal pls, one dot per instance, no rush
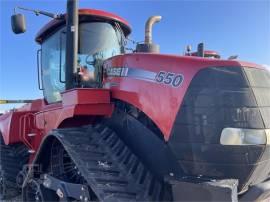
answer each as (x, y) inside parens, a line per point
(170, 78)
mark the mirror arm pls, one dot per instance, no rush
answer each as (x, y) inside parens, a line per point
(39, 12)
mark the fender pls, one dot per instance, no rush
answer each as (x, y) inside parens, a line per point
(78, 107)
(75, 103)
(152, 151)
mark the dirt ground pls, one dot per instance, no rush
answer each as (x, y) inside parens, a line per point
(16, 199)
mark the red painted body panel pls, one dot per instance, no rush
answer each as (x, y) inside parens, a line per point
(77, 103)
(36, 105)
(85, 96)
(10, 122)
(10, 127)
(158, 101)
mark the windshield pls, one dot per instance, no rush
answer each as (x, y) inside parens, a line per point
(50, 60)
(97, 42)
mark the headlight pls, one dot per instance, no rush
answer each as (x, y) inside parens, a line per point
(239, 136)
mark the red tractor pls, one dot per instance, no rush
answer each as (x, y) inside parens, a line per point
(141, 126)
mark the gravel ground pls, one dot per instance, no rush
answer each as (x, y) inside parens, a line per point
(16, 199)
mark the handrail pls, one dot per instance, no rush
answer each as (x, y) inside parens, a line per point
(23, 121)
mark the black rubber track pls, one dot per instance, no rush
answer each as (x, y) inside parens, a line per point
(110, 169)
(12, 159)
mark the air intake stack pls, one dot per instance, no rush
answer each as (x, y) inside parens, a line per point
(148, 46)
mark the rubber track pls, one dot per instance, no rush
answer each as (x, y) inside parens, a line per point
(108, 166)
(12, 160)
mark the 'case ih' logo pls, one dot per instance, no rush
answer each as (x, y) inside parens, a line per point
(117, 71)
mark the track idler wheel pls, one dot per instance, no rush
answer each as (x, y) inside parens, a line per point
(21, 177)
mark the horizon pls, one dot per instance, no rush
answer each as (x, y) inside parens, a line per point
(230, 28)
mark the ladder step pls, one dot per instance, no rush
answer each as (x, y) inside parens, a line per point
(31, 134)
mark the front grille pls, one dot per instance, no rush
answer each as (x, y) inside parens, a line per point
(220, 97)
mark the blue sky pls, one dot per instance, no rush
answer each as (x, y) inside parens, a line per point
(229, 27)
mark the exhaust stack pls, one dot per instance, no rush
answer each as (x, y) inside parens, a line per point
(148, 46)
(148, 28)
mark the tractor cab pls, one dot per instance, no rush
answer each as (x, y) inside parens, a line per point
(101, 35)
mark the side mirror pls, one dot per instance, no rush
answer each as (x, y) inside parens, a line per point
(18, 23)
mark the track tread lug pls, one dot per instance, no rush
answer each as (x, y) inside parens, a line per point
(107, 164)
(12, 159)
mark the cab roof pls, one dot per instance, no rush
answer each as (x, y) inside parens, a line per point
(84, 15)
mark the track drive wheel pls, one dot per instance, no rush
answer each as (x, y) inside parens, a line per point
(91, 163)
